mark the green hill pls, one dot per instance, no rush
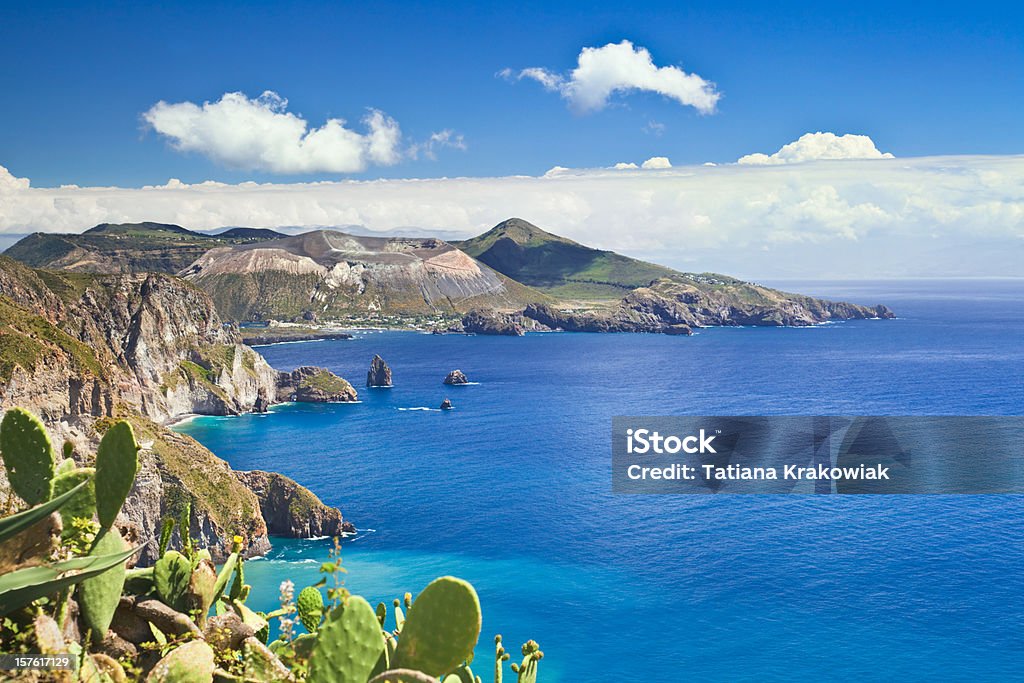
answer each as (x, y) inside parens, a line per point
(559, 266)
(127, 247)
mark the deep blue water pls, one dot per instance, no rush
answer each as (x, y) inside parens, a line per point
(511, 491)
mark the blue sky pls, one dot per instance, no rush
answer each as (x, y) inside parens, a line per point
(945, 80)
(845, 140)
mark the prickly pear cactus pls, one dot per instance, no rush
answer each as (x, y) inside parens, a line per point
(189, 663)
(348, 645)
(83, 504)
(441, 629)
(117, 461)
(98, 597)
(101, 668)
(527, 671)
(500, 657)
(310, 605)
(28, 455)
(201, 588)
(171, 576)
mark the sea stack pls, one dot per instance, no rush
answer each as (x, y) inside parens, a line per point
(456, 377)
(379, 374)
(446, 404)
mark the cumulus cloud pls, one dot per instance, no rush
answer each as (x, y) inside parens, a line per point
(261, 134)
(657, 162)
(9, 183)
(621, 68)
(939, 216)
(650, 164)
(814, 146)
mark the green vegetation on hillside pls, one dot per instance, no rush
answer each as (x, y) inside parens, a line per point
(559, 266)
(127, 247)
(27, 339)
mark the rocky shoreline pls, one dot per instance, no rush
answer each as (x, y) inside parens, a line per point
(82, 351)
(673, 306)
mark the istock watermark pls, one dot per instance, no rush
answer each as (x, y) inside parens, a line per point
(818, 454)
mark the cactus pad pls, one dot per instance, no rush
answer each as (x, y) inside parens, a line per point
(189, 663)
(171, 576)
(117, 461)
(82, 505)
(98, 597)
(28, 455)
(348, 645)
(441, 629)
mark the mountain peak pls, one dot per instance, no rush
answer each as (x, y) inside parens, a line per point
(522, 232)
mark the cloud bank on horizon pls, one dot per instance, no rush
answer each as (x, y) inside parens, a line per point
(855, 212)
(261, 134)
(620, 68)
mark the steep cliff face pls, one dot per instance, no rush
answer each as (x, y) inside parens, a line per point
(292, 510)
(81, 350)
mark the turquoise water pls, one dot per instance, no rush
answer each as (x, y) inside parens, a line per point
(511, 491)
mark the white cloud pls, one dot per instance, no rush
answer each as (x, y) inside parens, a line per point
(9, 183)
(260, 134)
(657, 162)
(620, 68)
(814, 146)
(625, 166)
(939, 216)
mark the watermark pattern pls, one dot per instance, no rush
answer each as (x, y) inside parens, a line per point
(818, 454)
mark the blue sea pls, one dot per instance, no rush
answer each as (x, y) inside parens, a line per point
(511, 490)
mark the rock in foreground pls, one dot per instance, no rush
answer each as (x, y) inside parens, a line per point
(310, 384)
(456, 377)
(379, 374)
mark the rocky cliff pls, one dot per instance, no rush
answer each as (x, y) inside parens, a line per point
(292, 510)
(81, 349)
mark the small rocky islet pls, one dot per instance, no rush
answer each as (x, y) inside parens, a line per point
(456, 377)
(379, 374)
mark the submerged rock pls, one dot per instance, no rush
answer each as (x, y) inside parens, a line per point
(446, 404)
(379, 374)
(456, 377)
(310, 384)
